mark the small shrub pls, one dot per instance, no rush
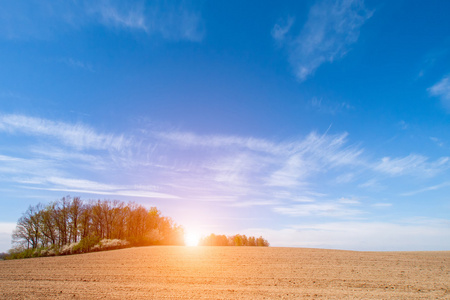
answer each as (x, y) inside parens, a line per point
(17, 253)
(68, 249)
(107, 244)
(86, 244)
(52, 252)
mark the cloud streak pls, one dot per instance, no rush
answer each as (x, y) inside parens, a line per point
(43, 19)
(427, 189)
(333, 209)
(412, 164)
(442, 90)
(331, 28)
(78, 136)
(295, 177)
(119, 14)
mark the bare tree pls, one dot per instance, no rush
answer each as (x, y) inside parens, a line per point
(70, 220)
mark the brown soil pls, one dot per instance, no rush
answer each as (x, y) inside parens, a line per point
(229, 273)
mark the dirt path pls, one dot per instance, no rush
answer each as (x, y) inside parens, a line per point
(229, 273)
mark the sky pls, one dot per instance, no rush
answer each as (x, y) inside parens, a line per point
(320, 124)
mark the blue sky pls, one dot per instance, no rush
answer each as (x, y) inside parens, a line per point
(312, 123)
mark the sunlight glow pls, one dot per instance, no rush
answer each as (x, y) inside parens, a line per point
(191, 238)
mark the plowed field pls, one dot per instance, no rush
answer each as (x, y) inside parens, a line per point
(229, 273)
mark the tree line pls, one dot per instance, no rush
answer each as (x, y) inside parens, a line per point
(72, 220)
(233, 240)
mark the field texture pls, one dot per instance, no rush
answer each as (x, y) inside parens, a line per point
(229, 273)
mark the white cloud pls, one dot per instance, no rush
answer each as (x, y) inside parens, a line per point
(328, 107)
(254, 203)
(280, 30)
(96, 188)
(188, 139)
(427, 189)
(345, 178)
(37, 19)
(121, 14)
(75, 135)
(442, 91)
(43, 19)
(333, 209)
(88, 186)
(431, 59)
(76, 158)
(244, 170)
(80, 183)
(331, 27)
(176, 21)
(371, 183)
(301, 199)
(381, 204)
(349, 201)
(293, 173)
(437, 141)
(327, 148)
(14, 168)
(76, 64)
(283, 164)
(173, 21)
(412, 164)
(400, 165)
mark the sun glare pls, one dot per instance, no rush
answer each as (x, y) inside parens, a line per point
(191, 239)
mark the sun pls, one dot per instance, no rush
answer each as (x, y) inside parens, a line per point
(191, 239)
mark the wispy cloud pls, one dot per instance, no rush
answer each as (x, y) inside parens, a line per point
(75, 135)
(403, 125)
(246, 171)
(426, 189)
(84, 186)
(280, 30)
(432, 59)
(382, 204)
(38, 19)
(438, 141)
(76, 64)
(176, 21)
(371, 183)
(337, 209)
(331, 28)
(121, 14)
(329, 107)
(284, 164)
(345, 178)
(412, 164)
(58, 154)
(349, 201)
(254, 203)
(292, 173)
(442, 90)
(13, 168)
(43, 19)
(290, 177)
(189, 139)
